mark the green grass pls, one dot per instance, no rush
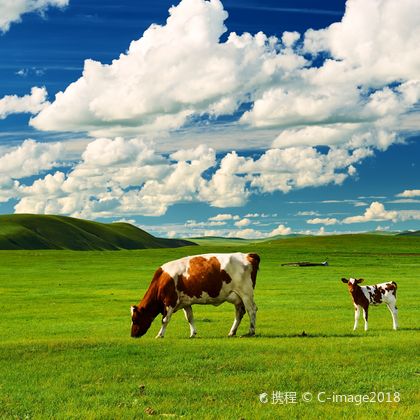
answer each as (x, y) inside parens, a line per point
(29, 231)
(66, 353)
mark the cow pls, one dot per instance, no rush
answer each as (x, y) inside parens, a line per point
(363, 296)
(199, 279)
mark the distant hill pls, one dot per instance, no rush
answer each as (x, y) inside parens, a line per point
(29, 231)
(221, 241)
(410, 233)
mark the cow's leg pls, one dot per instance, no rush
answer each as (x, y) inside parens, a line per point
(165, 322)
(251, 309)
(356, 316)
(394, 312)
(190, 318)
(365, 316)
(239, 313)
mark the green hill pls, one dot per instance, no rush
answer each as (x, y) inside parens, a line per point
(410, 233)
(29, 231)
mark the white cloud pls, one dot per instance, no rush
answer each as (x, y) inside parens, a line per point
(12, 10)
(296, 167)
(307, 213)
(374, 38)
(280, 230)
(172, 72)
(323, 221)
(356, 99)
(375, 212)
(243, 222)
(119, 177)
(409, 193)
(353, 103)
(405, 201)
(290, 38)
(250, 233)
(252, 215)
(33, 103)
(224, 216)
(209, 223)
(247, 233)
(30, 158)
(405, 215)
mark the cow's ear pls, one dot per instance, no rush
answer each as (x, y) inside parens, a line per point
(133, 309)
(360, 280)
(344, 280)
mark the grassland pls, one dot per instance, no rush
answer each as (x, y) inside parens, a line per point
(65, 349)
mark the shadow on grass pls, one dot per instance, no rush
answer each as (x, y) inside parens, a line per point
(272, 336)
(308, 335)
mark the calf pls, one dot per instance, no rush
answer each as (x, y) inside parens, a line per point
(363, 296)
(200, 279)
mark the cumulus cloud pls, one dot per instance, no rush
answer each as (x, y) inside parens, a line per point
(409, 193)
(33, 103)
(172, 72)
(375, 212)
(12, 10)
(243, 222)
(181, 72)
(30, 158)
(280, 230)
(128, 177)
(249, 233)
(370, 50)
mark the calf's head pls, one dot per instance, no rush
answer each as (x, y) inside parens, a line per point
(351, 283)
(141, 319)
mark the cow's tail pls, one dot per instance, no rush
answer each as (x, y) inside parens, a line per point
(254, 259)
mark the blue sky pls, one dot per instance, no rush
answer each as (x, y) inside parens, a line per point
(245, 119)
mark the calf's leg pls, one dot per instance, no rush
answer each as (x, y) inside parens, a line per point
(394, 312)
(365, 316)
(356, 316)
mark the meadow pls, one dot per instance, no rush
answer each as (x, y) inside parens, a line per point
(66, 351)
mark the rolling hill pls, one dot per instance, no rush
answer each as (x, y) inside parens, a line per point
(410, 233)
(29, 231)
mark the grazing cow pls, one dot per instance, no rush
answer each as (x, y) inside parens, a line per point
(363, 296)
(200, 279)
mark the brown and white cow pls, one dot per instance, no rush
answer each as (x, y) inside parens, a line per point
(200, 279)
(363, 296)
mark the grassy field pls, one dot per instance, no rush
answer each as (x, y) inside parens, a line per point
(65, 348)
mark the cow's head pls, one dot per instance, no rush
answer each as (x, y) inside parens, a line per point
(141, 319)
(351, 283)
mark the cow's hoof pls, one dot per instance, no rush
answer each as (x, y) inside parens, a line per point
(193, 336)
(248, 335)
(159, 336)
(231, 335)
